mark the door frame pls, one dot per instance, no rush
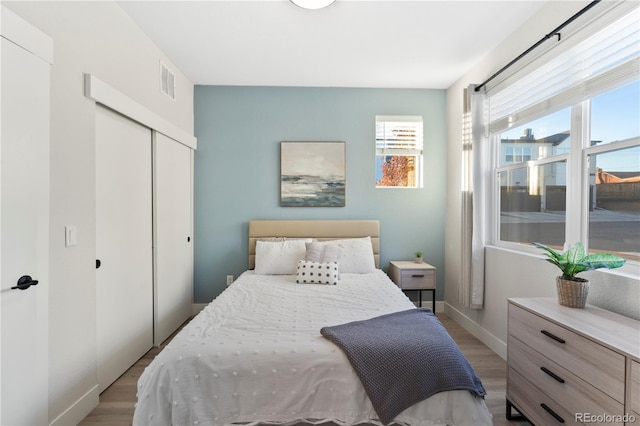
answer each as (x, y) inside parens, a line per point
(18, 31)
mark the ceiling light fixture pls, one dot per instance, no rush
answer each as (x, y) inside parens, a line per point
(312, 4)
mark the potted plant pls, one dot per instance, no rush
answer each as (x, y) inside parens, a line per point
(418, 256)
(572, 290)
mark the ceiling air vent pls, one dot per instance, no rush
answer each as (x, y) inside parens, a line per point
(167, 81)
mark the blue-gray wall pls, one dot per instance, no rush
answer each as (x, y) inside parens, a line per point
(237, 170)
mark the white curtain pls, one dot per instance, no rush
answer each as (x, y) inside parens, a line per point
(476, 178)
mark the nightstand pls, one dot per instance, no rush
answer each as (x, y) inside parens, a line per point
(410, 275)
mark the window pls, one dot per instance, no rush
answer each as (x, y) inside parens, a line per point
(613, 161)
(537, 139)
(517, 154)
(399, 151)
(614, 117)
(566, 150)
(533, 180)
(532, 175)
(533, 203)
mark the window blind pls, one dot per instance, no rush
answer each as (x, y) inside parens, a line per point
(605, 58)
(399, 135)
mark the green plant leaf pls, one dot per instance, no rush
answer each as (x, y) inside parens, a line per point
(550, 252)
(574, 260)
(602, 260)
(575, 253)
(555, 262)
(556, 258)
(574, 256)
(576, 268)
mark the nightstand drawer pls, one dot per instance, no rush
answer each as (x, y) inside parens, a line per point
(412, 276)
(592, 362)
(417, 279)
(558, 383)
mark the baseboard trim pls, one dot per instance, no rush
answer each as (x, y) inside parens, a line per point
(79, 409)
(495, 344)
(197, 307)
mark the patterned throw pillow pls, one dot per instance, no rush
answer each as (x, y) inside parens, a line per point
(317, 273)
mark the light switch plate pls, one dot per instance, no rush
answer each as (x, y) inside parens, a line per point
(70, 236)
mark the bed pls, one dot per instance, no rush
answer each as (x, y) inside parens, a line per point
(255, 355)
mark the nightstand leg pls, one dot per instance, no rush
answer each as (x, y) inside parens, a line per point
(433, 300)
(420, 301)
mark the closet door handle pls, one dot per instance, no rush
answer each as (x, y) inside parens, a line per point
(24, 282)
(98, 263)
(188, 239)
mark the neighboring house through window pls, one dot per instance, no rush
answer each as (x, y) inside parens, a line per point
(399, 145)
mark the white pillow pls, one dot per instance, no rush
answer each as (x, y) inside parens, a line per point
(356, 255)
(318, 252)
(314, 252)
(279, 257)
(317, 273)
(331, 253)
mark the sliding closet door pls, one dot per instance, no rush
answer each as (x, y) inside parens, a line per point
(124, 275)
(173, 290)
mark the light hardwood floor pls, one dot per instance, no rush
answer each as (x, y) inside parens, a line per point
(117, 402)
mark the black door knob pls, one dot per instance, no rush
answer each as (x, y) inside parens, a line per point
(24, 282)
(98, 263)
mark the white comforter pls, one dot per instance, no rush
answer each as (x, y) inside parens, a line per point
(255, 354)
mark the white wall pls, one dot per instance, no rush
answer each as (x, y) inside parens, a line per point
(510, 274)
(97, 38)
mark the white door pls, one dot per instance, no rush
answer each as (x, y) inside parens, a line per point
(124, 287)
(173, 287)
(24, 229)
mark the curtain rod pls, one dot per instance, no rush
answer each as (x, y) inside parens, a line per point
(555, 32)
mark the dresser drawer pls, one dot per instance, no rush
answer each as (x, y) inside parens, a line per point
(418, 279)
(592, 362)
(540, 409)
(559, 384)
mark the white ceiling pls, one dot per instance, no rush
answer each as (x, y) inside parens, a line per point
(352, 43)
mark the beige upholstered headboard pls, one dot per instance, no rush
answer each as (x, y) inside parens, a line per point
(318, 229)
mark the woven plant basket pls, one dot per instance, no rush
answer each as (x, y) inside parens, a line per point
(572, 293)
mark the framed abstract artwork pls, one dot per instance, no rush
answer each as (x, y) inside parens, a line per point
(312, 174)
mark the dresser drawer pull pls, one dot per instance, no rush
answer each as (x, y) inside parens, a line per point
(554, 337)
(417, 276)
(553, 413)
(552, 374)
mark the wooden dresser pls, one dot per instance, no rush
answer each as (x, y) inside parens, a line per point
(572, 366)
